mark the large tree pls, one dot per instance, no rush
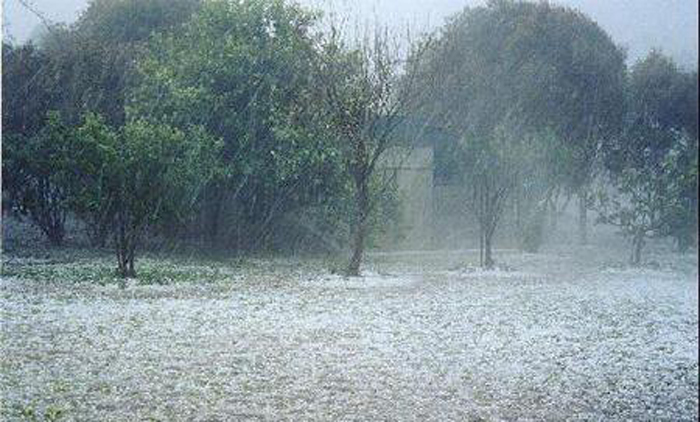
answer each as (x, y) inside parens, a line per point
(71, 70)
(657, 152)
(90, 62)
(25, 89)
(26, 101)
(368, 91)
(548, 68)
(649, 199)
(244, 70)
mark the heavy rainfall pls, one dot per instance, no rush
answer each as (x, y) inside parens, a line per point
(376, 210)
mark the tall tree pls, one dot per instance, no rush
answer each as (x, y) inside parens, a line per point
(25, 95)
(661, 123)
(368, 92)
(26, 100)
(244, 71)
(92, 60)
(74, 69)
(548, 68)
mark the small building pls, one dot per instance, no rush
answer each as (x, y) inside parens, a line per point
(426, 180)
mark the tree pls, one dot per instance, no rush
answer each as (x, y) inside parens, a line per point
(91, 62)
(142, 175)
(244, 71)
(133, 22)
(25, 97)
(511, 160)
(648, 197)
(25, 104)
(547, 68)
(661, 122)
(367, 92)
(492, 176)
(36, 170)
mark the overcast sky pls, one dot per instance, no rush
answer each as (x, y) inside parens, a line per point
(637, 25)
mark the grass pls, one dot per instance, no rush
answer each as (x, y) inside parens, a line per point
(77, 265)
(71, 265)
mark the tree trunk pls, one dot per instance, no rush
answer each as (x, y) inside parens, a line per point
(518, 209)
(481, 245)
(487, 222)
(637, 246)
(362, 199)
(553, 216)
(52, 224)
(684, 240)
(126, 261)
(358, 250)
(97, 231)
(55, 234)
(488, 253)
(582, 219)
(125, 244)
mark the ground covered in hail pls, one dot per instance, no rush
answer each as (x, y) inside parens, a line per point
(571, 334)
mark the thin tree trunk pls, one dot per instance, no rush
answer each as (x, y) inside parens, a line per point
(360, 228)
(582, 219)
(488, 253)
(125, 244)
(358, 249)
(480, 214)
(55, 235)
(481, 245)
(120, 246)
(519, 213)
(637, 246)
(553, 216)
(212, 231)
(132, 259)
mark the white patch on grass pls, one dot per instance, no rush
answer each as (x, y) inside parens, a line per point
(559, 337)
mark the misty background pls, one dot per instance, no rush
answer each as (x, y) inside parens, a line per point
(638, 26)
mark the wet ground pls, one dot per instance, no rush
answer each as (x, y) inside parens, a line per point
(561, 335)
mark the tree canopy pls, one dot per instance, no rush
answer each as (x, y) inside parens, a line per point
(243, 70)
(545, 65)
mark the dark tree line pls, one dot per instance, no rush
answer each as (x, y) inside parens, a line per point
(121, 101)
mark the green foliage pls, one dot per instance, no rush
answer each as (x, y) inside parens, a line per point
(662, 100)
(143, 176)
(132, 21)
(682, 221)
(243, 70)
(26, 99)
(85, 75)
(649, 198)
(36, 175)
(655, 159)
(75, 266)
(546, 66)
(663, 95)
(89, 65)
